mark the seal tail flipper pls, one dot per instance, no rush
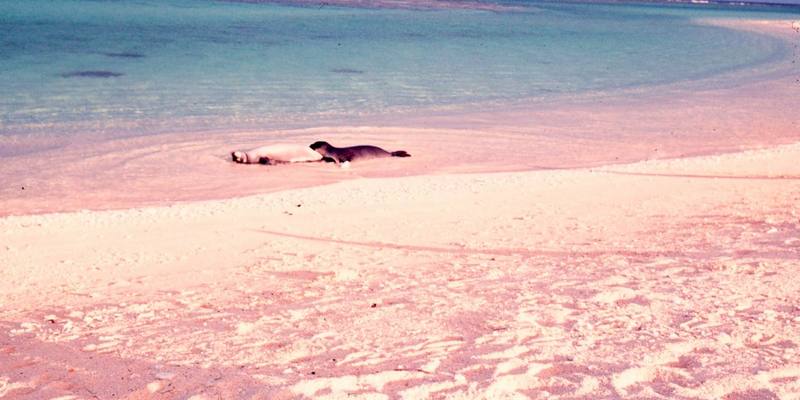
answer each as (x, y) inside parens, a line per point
(400, 153)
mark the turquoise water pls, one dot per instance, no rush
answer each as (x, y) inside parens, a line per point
(143, 67)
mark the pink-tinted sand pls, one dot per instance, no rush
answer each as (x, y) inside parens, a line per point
(664, 268)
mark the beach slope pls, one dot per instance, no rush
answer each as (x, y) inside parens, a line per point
(659, 279)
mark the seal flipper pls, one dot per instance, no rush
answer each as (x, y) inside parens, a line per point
(400, 153)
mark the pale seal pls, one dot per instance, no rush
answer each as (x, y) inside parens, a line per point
(276, 154)
(346, 154)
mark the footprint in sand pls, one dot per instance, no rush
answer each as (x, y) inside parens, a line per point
(349, 385)
(672, 365)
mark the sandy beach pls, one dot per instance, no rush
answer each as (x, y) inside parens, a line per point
(666, 271)
(657, 279)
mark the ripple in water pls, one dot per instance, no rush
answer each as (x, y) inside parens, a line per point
(124, 55)
(350, 71)
(91, 74)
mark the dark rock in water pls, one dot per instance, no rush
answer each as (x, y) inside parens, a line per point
(91, 74)
(124, 55)
(347, 71)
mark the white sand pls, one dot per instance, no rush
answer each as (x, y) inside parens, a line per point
(657, 279)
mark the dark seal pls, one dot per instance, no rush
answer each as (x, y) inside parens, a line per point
(352, 153)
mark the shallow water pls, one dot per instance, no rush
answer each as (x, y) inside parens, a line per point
(126, 104)
(112, 69)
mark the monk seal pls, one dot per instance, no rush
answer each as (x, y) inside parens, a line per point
(276, 154)
(347, 154)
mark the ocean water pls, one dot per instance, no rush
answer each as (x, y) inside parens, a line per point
(142, 67)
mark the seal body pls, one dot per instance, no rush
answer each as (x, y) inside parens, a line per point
(276, 154)
(352, 153)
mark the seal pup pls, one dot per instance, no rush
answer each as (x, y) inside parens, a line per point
(276, 154)
(347, 154)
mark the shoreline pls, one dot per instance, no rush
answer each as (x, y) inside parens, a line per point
(609, 167)
(543, 136)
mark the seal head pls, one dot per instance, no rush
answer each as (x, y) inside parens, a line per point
(239, 157)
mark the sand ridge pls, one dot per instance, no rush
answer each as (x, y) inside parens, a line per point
(660, 279)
